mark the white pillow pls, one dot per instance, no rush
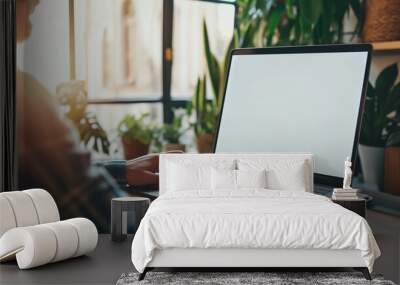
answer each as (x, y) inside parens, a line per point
(281, 174)
(191, 174)
(287, 179)
(226, 179)
(223, 179)
(181, 177)
(251, 178)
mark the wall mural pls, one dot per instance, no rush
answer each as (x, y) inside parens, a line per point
(89, 91)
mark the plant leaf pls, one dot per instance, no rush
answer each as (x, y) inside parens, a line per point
(248, 36)
(392, 102)
(394, 139)
(385, 80)
(212, 63)
(311, 10)
(273, 22)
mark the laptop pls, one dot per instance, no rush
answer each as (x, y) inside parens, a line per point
(296, 99)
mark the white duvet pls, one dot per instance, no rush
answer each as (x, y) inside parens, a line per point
(250, 219)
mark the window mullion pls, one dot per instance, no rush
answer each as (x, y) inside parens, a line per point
(168, 13)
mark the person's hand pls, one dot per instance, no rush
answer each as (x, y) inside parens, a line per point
(143, 171)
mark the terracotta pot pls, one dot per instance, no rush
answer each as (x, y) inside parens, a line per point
(382, 21)
(372, 163)
(205, 143)
(175, 146)
(134, 148)
(392, 170)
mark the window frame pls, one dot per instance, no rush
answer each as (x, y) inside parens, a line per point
(168, 103)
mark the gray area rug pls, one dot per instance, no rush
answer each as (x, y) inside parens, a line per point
(229, 278)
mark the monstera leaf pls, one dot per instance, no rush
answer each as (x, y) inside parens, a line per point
(72, 96)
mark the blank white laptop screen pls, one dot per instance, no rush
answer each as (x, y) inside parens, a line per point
(294, 102)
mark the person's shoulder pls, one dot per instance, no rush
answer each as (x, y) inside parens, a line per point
(33, 91)
(30, 82)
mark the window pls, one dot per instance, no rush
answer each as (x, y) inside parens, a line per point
(189, 60)
(123, 48)
(144, 55)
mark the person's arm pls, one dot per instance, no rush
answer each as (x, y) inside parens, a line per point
(117, 169)
(139, 172)
(143, 171)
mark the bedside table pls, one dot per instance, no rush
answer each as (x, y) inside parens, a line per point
(357, 206)
(136, 206)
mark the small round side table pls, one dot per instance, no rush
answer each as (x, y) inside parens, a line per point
(137, 206)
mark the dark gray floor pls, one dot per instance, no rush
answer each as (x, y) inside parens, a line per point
(103, 266)
(110, 260)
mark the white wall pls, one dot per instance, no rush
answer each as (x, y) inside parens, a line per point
(45, 54)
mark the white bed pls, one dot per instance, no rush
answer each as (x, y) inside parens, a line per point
(248, 227)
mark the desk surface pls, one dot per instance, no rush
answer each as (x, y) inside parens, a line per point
(103, 266)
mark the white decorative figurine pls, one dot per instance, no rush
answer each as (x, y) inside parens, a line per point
(347, 174)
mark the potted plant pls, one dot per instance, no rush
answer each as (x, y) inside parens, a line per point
(269, 23)
(72, 96)
(266, 23)
(381, 101)
(205, 113)
(168, 136)
(136, 135)
(392, 158)
(205, 109)
(382, 21)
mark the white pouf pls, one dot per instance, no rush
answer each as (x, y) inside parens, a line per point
(22, 207)
(31, 232)
(45, 205)
(7, 219)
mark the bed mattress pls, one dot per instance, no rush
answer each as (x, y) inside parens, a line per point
(250, 219)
